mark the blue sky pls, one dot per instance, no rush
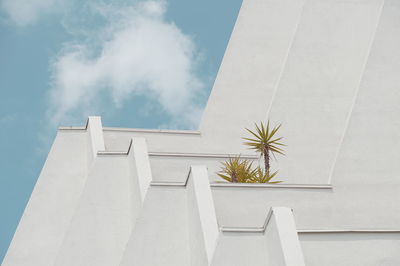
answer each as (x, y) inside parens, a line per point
(141, 64)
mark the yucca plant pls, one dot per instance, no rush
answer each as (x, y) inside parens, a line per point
(236, 170)
(259, 175)
(264, 143)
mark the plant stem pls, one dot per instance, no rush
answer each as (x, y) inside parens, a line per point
(234, 178)
(266, 159)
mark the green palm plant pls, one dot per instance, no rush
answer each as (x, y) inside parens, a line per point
(264, 143)
(262, 176)
(236, 170)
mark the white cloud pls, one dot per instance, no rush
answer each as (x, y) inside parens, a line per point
(24, 12)
(140, 53)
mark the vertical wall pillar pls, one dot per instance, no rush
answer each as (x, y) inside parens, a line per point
(203, 224)
(140, 174)
(282, 239)
(95, 137)
(140, 164)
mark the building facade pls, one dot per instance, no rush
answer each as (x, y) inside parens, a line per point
(329, 71)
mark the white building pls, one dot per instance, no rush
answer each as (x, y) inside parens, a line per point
(329, 71)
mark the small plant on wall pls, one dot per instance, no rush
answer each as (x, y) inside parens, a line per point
(236, 170)
(264, 141)
(262, 176)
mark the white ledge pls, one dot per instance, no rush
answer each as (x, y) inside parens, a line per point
(311, 231)
(350, 230)
(71, 128)
(117, 152)
(255, 185)
(75, 128)
(245, 185)
(143, 130)
(227, 229)
(103, 153)
(202, 155)
(168, 184)
(180, 154)
(172, 183)
(164, 131)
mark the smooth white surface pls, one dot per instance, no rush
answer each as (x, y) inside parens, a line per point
(160, 236)
(201, 201)
(318, 85)
(95, 135)
(250, 71)
(328, 70)
(244, 249)
(101, 224)
(355, 249)
(140, 165)
(56, 194)
(283, 245)
(199, 255)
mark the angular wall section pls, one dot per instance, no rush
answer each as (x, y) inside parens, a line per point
(202, 223)
(319, 83)
(283, 245)
(53, 201)
(108, 208)
(101, 223)
(250, 71)
(160, 235)
(95, 138)
(369, 157)
(140, 175)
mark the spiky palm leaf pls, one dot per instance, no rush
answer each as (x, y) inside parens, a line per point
(263, 142)
(236, 170)
(263, 139)
(261, 176)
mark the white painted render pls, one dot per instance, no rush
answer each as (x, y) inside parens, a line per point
(329, 71)
(244, 249)
(95, 136)
(160, 235)
(101, 224)
(53, 201)
(283, 246)
(356, 249)
(140, 168)
(202, 218)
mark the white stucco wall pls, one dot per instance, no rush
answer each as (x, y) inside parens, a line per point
(355, 249)
(283, 245)
(101, 224)
(202, 221)
(250, 71)
(319, 83)
(328, 70)
(241, 249)
(47, 215)
(160, 236)
(95, 138)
